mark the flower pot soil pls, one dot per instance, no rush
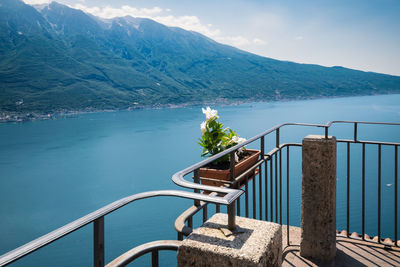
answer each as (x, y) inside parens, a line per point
(221, 171)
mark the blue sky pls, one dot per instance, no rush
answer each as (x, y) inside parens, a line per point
(359, 34)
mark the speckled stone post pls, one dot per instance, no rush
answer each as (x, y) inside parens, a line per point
(318, 205)
(258, 244)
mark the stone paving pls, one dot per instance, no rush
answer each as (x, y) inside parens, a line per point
(350, 252)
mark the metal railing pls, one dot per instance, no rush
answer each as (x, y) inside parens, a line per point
(269, 200)
(97, 218)
(378, 193)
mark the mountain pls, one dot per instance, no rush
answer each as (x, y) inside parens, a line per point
(55, 59)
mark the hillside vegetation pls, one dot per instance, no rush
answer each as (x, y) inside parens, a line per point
(56, 59)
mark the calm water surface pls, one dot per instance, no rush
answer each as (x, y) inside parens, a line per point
(52, 172)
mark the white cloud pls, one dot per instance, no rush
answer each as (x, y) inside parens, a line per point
(233, 40)
(258, 41)
(37, 2)
(191, 23)
(111, 12)
(298, 38)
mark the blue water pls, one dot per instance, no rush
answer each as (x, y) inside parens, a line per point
(53, 172)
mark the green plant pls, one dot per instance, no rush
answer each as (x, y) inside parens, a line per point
(215, 138)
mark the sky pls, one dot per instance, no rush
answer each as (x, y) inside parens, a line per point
(358, 34)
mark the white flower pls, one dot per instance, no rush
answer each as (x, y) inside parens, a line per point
(237, 139)
(203, 126)
(210, 113)
(241, 140)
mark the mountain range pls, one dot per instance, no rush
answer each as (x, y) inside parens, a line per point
(54, 58)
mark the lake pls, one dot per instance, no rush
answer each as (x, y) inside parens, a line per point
(53, 172)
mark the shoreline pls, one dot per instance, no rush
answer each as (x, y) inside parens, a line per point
(20, 117)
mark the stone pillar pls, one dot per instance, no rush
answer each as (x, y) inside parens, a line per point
(318, 198)
(255, 243)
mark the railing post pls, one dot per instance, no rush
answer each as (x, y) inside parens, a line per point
(196, 179)
(154, 258)
(260, 177)
(205, 213)
(98, 242)
(277, 137)
(355, 132)
(232, 166)
(231, 207)
(231, 217)
(318, 204)
(180, 236)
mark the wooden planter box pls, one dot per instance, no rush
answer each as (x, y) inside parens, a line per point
(224, 175)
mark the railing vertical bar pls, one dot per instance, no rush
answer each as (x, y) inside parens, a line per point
(260, 175)
(276, 187)
(180, 236)
(238, 203)
(205, 216)
(280, 186)
(277, 137)
(348, 191)
(231, 207)
(395, 194)
(271, 188)
(196, 179)
(379, 192)
(247, 196)
(287, 195)
(154, 258)
(276, 175)
(326, 132)
(363, 191)
(232, 166)
(355, 132)
(254, 197)
(266, 188)
(98, 242)
(231, 216)
(260, 192)
(190, 222)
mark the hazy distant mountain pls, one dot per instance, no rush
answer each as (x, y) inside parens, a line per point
(54, 58)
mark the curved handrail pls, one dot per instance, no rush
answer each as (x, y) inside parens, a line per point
(138, 251)
(178, 177)
(180, 225)
(91, 217)
(180, 221)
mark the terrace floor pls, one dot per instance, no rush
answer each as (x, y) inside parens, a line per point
(350, 252)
